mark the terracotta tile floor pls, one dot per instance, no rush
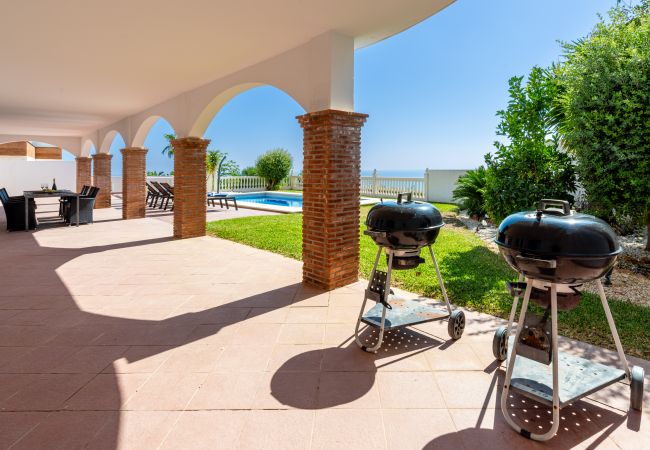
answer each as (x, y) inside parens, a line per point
(114, 335)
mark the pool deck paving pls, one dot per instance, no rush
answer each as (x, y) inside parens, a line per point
(115, 335)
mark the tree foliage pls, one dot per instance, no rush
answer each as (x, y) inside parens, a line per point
(470, 191)
(169, 149)
(604, 114)
(529, 165)
(249, 171)
(274, 165)
(212, 160)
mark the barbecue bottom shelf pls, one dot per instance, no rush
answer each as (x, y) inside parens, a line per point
(578, 378)
(404, 312)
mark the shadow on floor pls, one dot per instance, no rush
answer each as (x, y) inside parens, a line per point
(32, 400)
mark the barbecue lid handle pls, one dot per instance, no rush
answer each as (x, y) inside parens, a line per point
(409, 197)
(543, 207)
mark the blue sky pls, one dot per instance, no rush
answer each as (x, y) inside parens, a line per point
(431, 91)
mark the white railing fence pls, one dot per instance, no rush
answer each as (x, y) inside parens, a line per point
(434, 186)
(239, 184)
(389, 187)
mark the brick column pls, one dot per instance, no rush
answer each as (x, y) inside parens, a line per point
(134, 163)
(83, 172)
(102, 179)
(331, 183)
(189, 187)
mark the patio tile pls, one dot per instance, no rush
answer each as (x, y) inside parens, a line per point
(92, 359)
(355, 390)
(417, 428)
(196, 357)
(470, 389)
(206, 430)
(283, 390)
(348, 428)
(302, 334)
(38, 359)
(178, 390)
(350, 358)
(457, 356)
(345, 298)
(25, 335)
(107, 392)
(68, 429)
(338, 333)
(244, 358)
(44, 392)
(140, 359)
(213, 334)
(15, 425)
(307, 314)
(310, 297)
(343, 314)
(10, 354)
(134, 430)
(486, 429)
(227, 390)
(77, 335)
(290, 357)
(279, 429)
(267, 315)
(257, 333)
(412, 390)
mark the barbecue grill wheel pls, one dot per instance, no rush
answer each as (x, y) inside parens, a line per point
(500, 344)
(637, 376)
(456, 324)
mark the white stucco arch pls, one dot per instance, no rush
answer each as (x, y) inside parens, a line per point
(143, 130)
(107, 141)
(87, 147)
(214, 105)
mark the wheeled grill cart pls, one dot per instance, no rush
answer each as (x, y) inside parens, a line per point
(401, 229)
(555, 251)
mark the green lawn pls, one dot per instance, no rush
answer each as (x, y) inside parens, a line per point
(474, 276)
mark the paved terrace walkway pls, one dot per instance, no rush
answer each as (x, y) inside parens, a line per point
(113, 335)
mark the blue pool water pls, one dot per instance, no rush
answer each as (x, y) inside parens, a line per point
(294, 201)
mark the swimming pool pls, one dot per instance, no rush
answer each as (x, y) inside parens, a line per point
(282, 202)
(272, 198)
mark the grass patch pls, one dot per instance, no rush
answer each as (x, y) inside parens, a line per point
(473, 274)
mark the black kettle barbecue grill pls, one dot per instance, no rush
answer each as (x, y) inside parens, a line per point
(402, 229)
(555, 251)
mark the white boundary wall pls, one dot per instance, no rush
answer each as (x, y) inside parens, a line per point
(439, 184)
(27, 175)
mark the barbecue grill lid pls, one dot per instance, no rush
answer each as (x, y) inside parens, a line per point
(551, 232)
(403, 216)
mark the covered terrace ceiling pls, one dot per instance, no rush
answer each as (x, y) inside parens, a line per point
(73, 67)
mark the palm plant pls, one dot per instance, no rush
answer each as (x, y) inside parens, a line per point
(470, 190)
(169, 149)
(212, 160)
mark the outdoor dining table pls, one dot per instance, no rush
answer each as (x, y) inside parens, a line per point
(47, 194)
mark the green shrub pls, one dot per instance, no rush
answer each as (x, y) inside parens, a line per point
(605, 115)
(470, 190)
(275, 166)
(530, 165)
(249, 171)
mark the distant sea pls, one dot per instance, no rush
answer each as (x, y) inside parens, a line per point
(408, 173)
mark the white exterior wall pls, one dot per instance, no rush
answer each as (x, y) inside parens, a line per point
(18, 175)
(439, 184)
